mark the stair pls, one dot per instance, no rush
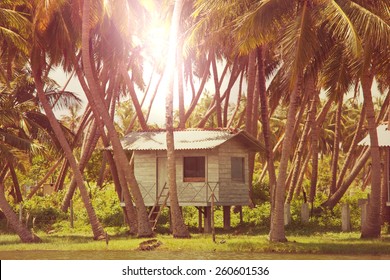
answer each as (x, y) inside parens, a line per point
(158, 206)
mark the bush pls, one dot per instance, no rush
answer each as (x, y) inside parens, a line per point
(44, 210)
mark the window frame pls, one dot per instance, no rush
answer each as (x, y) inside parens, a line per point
(233, 168)
(197, 177)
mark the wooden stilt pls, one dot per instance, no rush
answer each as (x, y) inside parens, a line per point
(207, 219)
(226, 217)
(200, 220)
(212, 217)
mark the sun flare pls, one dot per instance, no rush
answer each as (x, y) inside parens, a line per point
(156, 41)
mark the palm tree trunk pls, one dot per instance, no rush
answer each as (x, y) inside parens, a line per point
(238, 103)
(18, 194)
(178, 226)
(180, 84)
(299, 154)
(251, 72)
(277, 232)
(336, 146)
(315, 151)
(200, 90)
(97, 228)
(372, 228)
(134, 98)
(265, 122)
(90, 143)
(100, 110)
(59, 184)
(352, 148)
(25, 235)
(43, 180)
(233, 78)
(217, 86)
(335, 198)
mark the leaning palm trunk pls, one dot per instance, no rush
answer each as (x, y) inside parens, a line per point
(372, 228)
(335, 198)
(336, 146)
(129, 211)
(97, 228)
(277, 232)
(86, 153)
(297, 165)
(251, 72)
(265, 121)
(100, 110)
(178, 226)
(352, 148)
(25, 235)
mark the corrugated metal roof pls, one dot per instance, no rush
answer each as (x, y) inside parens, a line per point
(185, 140)
(383, 137)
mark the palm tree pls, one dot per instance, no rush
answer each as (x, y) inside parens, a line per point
(301, 22)
(100, 110)
(42, 26)
(178, 226)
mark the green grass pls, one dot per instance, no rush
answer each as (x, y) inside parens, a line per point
(320, 243)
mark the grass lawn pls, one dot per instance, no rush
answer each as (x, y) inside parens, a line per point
(317, 244)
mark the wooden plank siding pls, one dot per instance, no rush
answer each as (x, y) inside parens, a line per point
(145, 171)
(232, 192)
(217, 176)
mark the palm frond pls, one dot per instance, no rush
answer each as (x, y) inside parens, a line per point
(299, 42)
(262, 21)
(338, 72)
(339, 25)
(374, 28)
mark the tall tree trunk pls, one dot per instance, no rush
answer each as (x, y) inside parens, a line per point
(178, 226)
(90, 142)
(25, 235)
(130, 212)
(238, 103)
(180, 85)
(134, 99)
(97, 228)
(300, 151)
(352, 148)
(315, 150)
(44, 179)
(277, 232)
(18, 194)
(336, 146)
(249, 114)
(335, 198)
(200, 90)
(251, 73)
(59, 184)
(217, 87)
(372, 228)
(100, 110)
(233, 78)
(265, 122)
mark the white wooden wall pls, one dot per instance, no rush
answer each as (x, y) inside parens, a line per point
(218, 170)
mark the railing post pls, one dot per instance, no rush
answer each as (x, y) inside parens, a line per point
(212, 216)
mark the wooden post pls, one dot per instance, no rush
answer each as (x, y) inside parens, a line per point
(71, 213)
(287, 214)
(345, 218)
(305, 213)
(207, 219)
(212, 216)
(363, 203)
(20, 212)
(226, 217)
(200, 219)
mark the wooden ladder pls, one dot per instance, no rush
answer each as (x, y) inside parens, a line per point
(158, 206)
